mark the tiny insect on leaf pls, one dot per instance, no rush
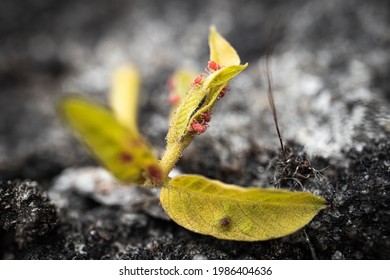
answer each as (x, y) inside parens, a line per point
(197, 203)
(213, 66)
(202, 96)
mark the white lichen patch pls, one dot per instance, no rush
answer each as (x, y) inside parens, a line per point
(324, 118)
(99, 185)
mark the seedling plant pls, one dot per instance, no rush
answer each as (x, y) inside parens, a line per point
(195, 202)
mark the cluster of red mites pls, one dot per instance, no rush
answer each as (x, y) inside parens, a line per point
(200, 127)
(212, 66)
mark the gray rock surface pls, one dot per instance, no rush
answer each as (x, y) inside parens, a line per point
(330, 70)
(27, 211)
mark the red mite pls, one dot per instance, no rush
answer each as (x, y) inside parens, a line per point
(198, 127)
(213, 66)
(198, 80)
(206, 116)
(174, 99)
(223, 92)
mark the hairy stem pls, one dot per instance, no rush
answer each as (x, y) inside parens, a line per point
(173, 153)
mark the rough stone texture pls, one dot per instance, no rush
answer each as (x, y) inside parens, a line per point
(26, 211)
(331, 76)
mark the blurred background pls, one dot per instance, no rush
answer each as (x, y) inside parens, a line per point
(331, 76)
(328, 50)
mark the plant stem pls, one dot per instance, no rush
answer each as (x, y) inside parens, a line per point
(172, 154)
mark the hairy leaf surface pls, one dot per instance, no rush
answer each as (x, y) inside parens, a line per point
(230, 212)
(214, 84)
(200, 99)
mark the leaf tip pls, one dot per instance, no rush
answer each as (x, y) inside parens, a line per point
(123, 96)
(220, 49)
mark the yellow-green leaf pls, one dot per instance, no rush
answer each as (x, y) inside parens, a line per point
(220, 49)
(122, 151)
(124, 96)
(200, 99)
(180, 84)
(213, 85)
(181, 117)
(223, 76)
(230, 212)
